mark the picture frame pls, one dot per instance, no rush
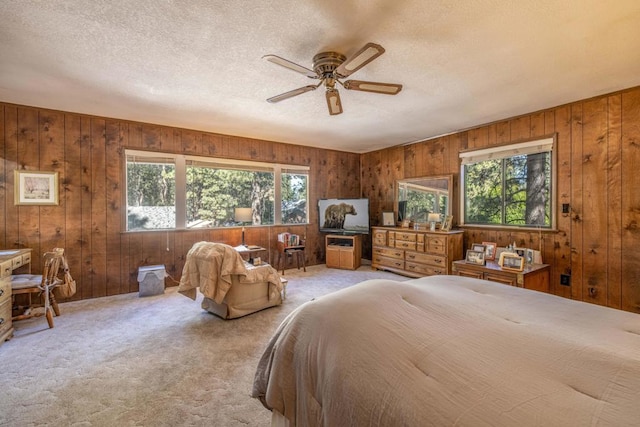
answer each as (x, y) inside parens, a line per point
(475, 257)
(479, 247)
(388, 219)
(512, 262)
(521, 252)
(36, 188)
(530, 256)
(447, 223)
(405, 223)
(490, 251)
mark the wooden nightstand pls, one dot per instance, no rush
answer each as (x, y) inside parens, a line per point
(535, 276)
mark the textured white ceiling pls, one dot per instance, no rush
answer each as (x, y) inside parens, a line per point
(197, 64)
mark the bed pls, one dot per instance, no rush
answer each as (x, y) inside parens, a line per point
(449, 350)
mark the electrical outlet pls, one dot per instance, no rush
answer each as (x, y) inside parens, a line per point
(565, 208)
(565, 280)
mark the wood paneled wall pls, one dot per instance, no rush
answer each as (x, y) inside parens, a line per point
(598, 143)
(88, 152)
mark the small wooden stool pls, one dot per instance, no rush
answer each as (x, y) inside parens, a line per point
(287, 251)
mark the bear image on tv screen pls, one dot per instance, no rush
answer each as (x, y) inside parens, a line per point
(334, 215)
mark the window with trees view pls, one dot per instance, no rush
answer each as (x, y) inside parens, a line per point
(510, 186)
(183, 192)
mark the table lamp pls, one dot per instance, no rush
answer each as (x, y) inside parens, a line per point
(433, 218)
(243, 215)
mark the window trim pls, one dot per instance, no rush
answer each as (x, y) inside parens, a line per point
(529, 146)
(180, 162)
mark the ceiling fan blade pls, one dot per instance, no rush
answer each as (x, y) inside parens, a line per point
(333, 101)
(291, 93)
(376, 87)
(291, 66)
(368, 53)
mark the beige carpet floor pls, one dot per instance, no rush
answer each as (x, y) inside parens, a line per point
(151, 361)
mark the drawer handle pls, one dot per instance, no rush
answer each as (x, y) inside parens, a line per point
(412, 257)
(1, 292)
(438, 260)
(1, 320)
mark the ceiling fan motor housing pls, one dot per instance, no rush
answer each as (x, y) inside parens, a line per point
(325, 63)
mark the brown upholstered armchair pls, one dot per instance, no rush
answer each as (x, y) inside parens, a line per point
(231, 287)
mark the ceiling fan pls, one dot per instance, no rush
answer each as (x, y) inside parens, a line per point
(330, 68)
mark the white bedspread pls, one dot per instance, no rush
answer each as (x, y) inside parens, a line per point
(447, 350)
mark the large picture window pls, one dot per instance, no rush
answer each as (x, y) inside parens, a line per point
(184, 192)
(509, 186)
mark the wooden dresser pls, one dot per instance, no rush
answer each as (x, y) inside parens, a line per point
(415, 253)
(10, 260)
(534, 276)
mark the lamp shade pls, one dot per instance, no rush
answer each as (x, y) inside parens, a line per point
(243, 215)
(433, 217)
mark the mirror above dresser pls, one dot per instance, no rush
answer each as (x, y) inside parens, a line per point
(416, 198)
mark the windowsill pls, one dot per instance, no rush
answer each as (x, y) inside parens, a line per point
(165, 230)
(508, 228)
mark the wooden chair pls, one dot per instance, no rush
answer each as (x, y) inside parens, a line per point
(40, 284)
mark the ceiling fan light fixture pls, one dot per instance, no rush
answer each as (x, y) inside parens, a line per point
(333, 101)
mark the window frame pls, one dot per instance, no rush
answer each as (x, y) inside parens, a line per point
(182, 161)
(530, 146)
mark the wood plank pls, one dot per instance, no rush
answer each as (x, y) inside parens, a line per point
(86, 272)
(114, 195)
(520, 128)
(10, 158)
(51, 142)
(614, 203)
(577, 211)
(29, 159)
(3, 179)
(630, 200)
(594, 181)
(72, 189)
(98, 208)
(537, 125)
(560, 258)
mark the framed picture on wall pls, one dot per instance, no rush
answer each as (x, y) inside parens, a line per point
(35, 187)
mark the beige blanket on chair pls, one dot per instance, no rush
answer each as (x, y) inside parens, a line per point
(209, 266)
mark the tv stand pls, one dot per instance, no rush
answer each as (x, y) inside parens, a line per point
(344, 251)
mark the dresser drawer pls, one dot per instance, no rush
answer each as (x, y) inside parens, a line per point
(26, 258)
(379, 237)
(409, 237)
(403, 244)
(388, 252)
(5, 316)
(437, 245)
(387, 262)
(17, 261)
(6, 267)
(427, 270)
(434, 260)
(5, 290)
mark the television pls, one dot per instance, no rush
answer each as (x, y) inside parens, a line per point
(343, 216)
